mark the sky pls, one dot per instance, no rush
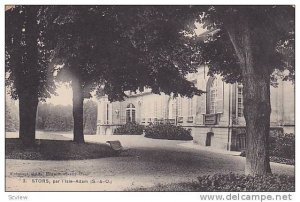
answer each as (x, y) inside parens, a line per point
(64, 96)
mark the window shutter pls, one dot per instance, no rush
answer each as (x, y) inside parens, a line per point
(219, 100)
(200, 109)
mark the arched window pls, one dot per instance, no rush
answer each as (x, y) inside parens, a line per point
(179, 106)
(215, 96)
(212, 89)
(130, 113)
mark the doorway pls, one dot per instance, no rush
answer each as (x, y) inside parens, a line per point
(209, 136)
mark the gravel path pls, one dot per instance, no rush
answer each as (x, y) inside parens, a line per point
(148, 162)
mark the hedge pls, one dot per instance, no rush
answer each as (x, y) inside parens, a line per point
(130, 128)
(237, 182)
(283, 145)
(230, 183)
(168, 132)
(281, 148)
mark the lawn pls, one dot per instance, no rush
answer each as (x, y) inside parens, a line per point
(56, 150)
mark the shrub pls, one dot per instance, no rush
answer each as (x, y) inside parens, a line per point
(167, 131)
(282, 160)
(130, 128)
(230, 183)
(236, 182)
(283, 146)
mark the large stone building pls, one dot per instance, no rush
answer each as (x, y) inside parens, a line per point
(215, 118)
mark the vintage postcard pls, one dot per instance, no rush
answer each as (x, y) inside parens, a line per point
(150, 98)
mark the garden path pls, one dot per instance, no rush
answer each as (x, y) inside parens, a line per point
(149, 162)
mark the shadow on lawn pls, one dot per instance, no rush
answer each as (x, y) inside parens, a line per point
(56, 150)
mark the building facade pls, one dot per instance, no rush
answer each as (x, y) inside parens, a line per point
(215, 118)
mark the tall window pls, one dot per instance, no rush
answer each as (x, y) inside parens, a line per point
(130, 113)
(213, 93)
(190, 107)
(179, 106)
(240, 101)
(170, 109)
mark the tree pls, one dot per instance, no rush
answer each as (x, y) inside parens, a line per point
(79, 29)
(153, 50)
(27, 55)
(54, 117)
(114, 47)
(248, 43)
(11, 116)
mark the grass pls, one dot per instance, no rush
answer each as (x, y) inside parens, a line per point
(56, 150)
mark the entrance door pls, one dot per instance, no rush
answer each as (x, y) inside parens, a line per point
(208, 138)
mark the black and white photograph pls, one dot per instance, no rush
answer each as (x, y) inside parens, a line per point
(150, 98)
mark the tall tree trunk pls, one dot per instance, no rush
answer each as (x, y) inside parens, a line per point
(78, 111)
(256, 95)
(27, 113)
(28, 88)
(257, 111)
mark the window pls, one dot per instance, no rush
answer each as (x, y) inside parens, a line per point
(190, 107)
(130, 113)
(190, 110)
(106, 113)
(170, 109)
(213, 93)
(240, 101)
(179, 106)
